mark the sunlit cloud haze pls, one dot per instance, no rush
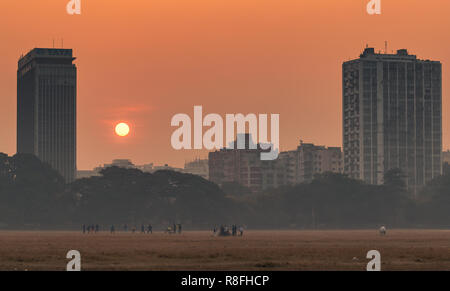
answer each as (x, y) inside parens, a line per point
(142, 62)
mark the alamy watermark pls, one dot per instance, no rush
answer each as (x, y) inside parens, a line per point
(75, 260)
(213, 137)
(375, 260)
(74, 7)
(374, 7)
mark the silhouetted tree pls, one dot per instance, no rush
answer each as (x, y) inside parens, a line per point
(32, 194)
(29, 190)
(395, 178)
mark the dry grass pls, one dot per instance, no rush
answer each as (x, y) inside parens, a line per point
(257, 250)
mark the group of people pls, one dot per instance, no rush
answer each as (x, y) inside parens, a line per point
(91, 228)
(224, 230)
(175, 228)
(144, 229)
(96, 228)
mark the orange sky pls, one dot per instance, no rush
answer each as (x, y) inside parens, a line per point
(144, 61)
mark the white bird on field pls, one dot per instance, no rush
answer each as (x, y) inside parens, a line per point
(383, 230)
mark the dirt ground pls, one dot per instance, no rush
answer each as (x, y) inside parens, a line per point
(256, 250)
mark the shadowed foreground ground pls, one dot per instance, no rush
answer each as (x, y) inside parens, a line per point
(257, 250)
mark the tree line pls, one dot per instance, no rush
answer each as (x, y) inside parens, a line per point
(34, 196)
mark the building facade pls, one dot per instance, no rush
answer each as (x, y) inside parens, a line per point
(197, 167)
(392, 117)
(245, 167)
(303, 164)
(46, 108)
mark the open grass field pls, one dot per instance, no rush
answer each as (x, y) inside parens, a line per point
(256, 250)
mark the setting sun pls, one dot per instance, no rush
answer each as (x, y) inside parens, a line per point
(122, 129)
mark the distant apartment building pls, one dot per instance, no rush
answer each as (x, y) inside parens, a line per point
(121, 163)
(244, 166)
(46, 108)
(308, 160)
(87, 174)
(392, 117)
(167, 168)
(197, 167)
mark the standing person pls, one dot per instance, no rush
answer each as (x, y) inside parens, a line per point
(125, 227)
(174, 228)
(179, 228)
(97, 228)
(149, 229)
(142, 228)
(112, 229)
(133, 230)
(84, 228)
(241, 230)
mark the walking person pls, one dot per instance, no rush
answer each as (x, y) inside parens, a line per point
(241, 231)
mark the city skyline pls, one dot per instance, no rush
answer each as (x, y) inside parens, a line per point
(271, 61)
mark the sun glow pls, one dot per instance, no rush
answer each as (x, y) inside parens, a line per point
(122, 129)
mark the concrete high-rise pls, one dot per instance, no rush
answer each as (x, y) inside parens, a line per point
(392, 117)
(46, 108)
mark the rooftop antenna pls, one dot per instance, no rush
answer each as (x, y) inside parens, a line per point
(385, 47)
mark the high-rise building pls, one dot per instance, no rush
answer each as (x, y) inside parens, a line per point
(46, 108)
(392, 117)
